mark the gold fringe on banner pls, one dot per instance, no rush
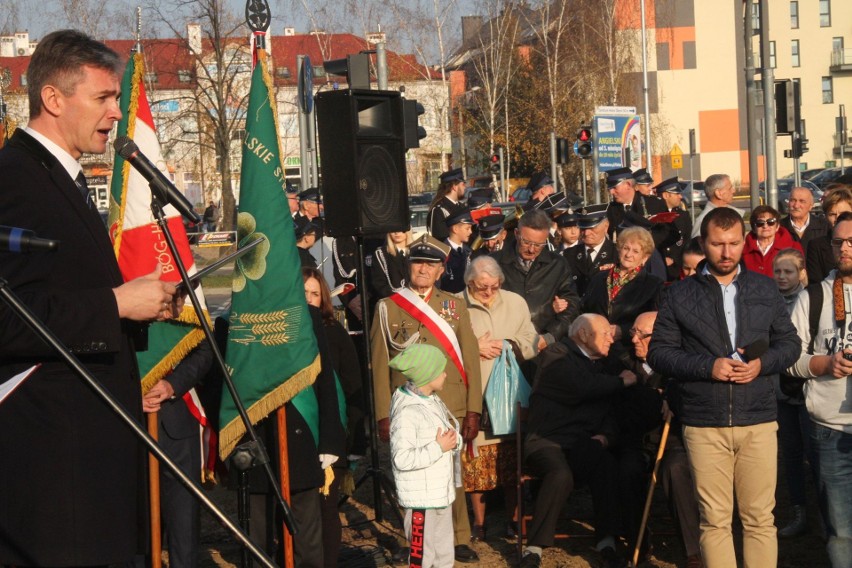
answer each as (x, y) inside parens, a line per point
(234, 430)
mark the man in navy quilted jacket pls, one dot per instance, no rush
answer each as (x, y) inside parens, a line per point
(724, 333)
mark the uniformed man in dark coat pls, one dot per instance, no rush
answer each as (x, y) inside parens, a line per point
(447, 202)
(622, 188)
(310, 205)
(671, 193)
(307, 233)
(461, 227)
(491, 234)
(595, 253)
(541, 187)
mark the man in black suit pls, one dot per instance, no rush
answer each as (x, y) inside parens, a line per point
(594, 252)
(447, 203)
(800, 223)
(179, 436)
(622, 188)
(72, 480)
(571, 426)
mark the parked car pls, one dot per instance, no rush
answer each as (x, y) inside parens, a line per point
(424, 198)
(825, 177)
(785, 185)
(694, 190)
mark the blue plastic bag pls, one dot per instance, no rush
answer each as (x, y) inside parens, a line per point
(506, 386)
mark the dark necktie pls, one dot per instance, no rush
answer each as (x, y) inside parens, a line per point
(591, 252)
(84, 189)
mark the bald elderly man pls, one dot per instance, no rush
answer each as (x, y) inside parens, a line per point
(800, 222)
(571, 425)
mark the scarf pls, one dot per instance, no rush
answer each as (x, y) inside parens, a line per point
(618, 279)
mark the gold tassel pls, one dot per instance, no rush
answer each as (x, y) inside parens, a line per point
(329, 479)
(347, 486)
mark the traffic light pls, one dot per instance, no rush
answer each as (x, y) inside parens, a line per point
(412, 130)
(584, 142)
(787, 106)
(495, 163)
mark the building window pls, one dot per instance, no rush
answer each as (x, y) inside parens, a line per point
(772, 64)
(150, 78)
(23, 79)
(282, 72)
(827, 91)
(824, 13)
(184, 76)
(755, 17)
(319, 71)
(837, 44)
(794, 53)
(794, 15)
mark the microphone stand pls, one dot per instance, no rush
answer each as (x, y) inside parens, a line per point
(28, 317)
(254, 446)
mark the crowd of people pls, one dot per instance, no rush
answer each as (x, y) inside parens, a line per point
(615, 320)
(621, 321)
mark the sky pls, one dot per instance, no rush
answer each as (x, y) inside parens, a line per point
(285, 13)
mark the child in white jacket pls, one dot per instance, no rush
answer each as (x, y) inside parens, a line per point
(425, 444)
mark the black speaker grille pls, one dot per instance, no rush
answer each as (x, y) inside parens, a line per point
(379, 189)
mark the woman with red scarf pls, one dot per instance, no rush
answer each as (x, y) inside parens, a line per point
(626, 290)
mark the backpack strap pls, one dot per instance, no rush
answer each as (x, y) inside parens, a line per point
(816, 296)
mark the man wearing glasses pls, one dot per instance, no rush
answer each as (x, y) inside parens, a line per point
(541, 276)
(825, 364)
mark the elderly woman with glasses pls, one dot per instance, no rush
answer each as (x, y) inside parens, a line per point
(765, 240)
(495, 315)
(627, 289)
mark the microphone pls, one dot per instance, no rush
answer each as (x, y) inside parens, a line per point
(755, 349)
(13, 239)
(165, 190)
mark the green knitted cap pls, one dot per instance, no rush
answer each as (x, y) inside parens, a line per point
(420, 363)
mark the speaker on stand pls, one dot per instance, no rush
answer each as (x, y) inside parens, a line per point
(362, 151)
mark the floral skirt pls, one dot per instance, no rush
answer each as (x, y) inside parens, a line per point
(496, 465)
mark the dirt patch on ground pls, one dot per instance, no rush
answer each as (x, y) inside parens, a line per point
(375, 540)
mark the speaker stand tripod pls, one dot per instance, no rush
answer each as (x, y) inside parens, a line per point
(374, 472)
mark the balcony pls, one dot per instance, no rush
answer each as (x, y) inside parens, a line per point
(841, 60)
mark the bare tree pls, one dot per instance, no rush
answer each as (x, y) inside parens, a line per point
(213, 106)
(493, 69)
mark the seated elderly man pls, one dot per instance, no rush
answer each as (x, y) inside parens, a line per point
(571, 425)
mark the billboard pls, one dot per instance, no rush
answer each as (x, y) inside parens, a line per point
(618, 138)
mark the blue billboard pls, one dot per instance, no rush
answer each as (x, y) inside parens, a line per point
(618, 141)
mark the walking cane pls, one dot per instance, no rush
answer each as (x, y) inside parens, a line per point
(647, 510)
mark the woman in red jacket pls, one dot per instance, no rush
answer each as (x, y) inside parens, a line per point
(766, 239)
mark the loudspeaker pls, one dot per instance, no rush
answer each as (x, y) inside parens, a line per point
(362, 157)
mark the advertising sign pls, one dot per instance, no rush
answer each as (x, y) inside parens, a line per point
(618, 140)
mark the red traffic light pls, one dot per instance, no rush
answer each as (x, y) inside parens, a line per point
(584, 134)
(495, 158)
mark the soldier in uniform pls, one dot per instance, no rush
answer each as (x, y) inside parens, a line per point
(644, 183)
(625, 198)
(461, 228)
(671, 193)
(541, 187)
(424, 314)
(491, 234)
(595, 253)
(447, 202)
(310, 203)
(568, 228)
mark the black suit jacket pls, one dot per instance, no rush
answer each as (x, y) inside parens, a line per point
(817, 227)
(581, 269)
(642, 205)
(71, 482)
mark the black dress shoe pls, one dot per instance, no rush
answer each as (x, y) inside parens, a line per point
(401, 556)
(530, 560)
(465, 554)
(612, 559)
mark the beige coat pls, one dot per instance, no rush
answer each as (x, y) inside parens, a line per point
(401, 326)
(508, 317)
